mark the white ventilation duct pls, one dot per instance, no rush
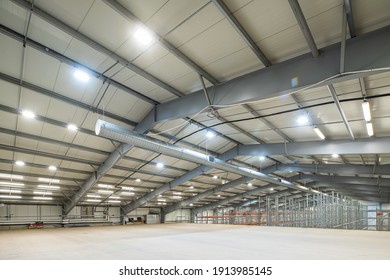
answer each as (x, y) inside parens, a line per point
(123, 135)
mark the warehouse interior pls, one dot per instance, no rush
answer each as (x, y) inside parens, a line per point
(131, 127)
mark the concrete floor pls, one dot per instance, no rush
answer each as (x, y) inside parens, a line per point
(192, 241)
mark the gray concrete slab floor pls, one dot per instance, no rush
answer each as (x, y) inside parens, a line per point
(193, 241)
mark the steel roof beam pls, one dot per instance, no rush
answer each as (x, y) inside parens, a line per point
(333, 93)
(241, 31)
(376, 145)
(168, 46)
(367, 55)
(348, 180)
(91, 43)
(296, 8)
(346, 169)
(348, 12)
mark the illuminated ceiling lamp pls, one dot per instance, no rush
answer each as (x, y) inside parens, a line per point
(319, 133)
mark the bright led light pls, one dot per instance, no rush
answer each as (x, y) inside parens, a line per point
(271, 189)
(48, 180)
(366, 111)
(161, 199)
(28, 114)
(191, 187)
(219, 195)
(138, 180)
(303, 120)
(160, 165)
(127, 188)
(72, 127)
(48, 187)
(261, 158)
(370, 129)
(81, 75)
(105, 186)
(176, 197)
(215, 177)
(193, 194)
(114, 197)
(93, 200)
(250, 184)
(319, 133)
(11, 196)
(52, 168)
(104, 191)
(43, 193)
(210, 134)
(94, 195)
(42, 198)
(177, 193)
(19, 163)
(335, 156)
(11, 176)
(191, 204)
(2, 183)
(10, 191)
(114, 201)
(127, 193)
(143, 36)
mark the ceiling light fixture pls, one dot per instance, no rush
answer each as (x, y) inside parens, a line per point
(191, 187)
(215, 177)
(28, 114)
(42, 198)
(10, 191)
(302, 120)
(11, 196)
(370, 129)
(2, 183)
(335, 156)
(250, 184)
(48, 187)
(366, 110)
(210, 134)
(127, 193)
(43, 193)
(261, 158)
(19, 163)
(159, 165)
(52, 168)
(143, 36)
(105, 186)
(128, 188)
(72, 127)
(93, 200)
(319, 133)
(11, 176)
(114, 201)
(105, 191)
(81, 75)
(94, 195)
(191, 204)
(48, 180)
(138, 180)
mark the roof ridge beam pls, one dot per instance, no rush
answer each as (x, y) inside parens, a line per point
(366, 55)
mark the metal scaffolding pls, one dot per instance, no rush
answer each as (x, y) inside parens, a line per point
(317, 210)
